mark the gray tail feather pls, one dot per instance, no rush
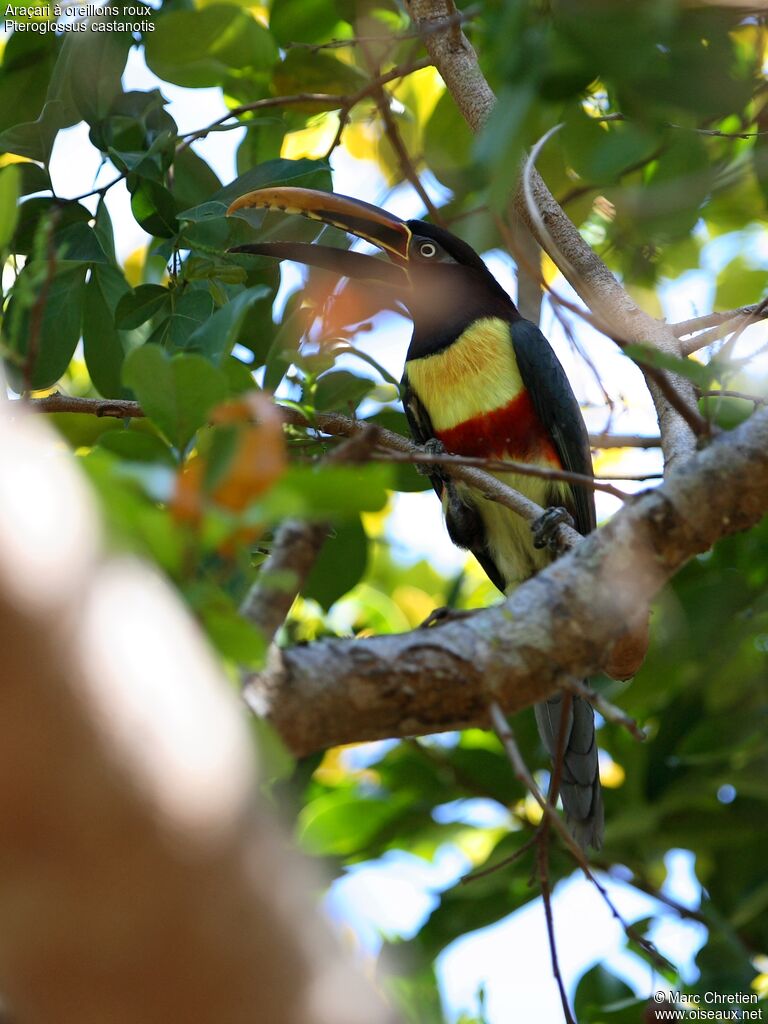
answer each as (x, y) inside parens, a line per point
(580, 777)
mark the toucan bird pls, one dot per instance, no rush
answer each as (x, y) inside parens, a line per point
(479, 380)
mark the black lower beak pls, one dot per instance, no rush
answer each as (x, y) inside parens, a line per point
(339, 261)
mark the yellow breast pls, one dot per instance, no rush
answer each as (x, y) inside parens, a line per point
(474, 375)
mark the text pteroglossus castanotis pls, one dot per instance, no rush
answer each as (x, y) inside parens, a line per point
(481, 381)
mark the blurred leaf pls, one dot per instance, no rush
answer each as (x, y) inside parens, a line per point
(739, 284)
(302, 21)
(326, 493)
(339, 389)
(176, 393)
(344, 822)
(10, 181)
(599, 988)
(688, 368)
(322, 74)
(204, 47)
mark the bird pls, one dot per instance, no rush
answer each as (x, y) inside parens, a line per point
(479, 380)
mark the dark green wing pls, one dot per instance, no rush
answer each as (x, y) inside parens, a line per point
(557, 408)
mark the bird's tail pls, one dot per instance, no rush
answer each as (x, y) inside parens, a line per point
(579, 777)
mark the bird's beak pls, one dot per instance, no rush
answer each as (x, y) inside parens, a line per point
(368, 222)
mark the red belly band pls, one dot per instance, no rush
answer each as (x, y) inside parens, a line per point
(513, 430)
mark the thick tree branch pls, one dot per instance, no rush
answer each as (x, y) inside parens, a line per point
(456, 61)
(560, 624)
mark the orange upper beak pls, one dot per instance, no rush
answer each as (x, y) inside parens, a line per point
(368, 222)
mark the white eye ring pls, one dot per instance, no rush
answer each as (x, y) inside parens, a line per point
(427, 249)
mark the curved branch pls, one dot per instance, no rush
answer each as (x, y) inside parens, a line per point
(562, 623)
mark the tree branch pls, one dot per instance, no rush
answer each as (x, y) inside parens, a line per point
(562, 623)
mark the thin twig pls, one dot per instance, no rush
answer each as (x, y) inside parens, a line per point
(503, 466)
(714, 132)
(406, 164)
(331, 100)
(727, 393)
(504, 731)
(543, 866)
(700, 323)
(505, 863)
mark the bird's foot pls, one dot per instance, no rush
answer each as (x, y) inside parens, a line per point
(444, 614)
(544, 529)
(431, 447)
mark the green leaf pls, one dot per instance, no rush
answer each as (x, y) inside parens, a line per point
(27, 62)
(45, 214)
(43, 336)
(177, 393)
(79, 243)
(739, 284)
(340, 565)
(299, 173)
(140, 305)
(204, 47)
(598, 152)
(322, 73)
(34, 139)
(138, 134)
(601, 995)
(190, 312)
(135, 446)
(105, 234)
(405, 477)
(154, 208)
(448, 144)
(330, 493)
(339, 389)
(302, 21)
(233, 636)
(10, 181)
(216, 336)
(688, 368)
(193, 179)
(102, 345)
(97, 62)
(343, 823)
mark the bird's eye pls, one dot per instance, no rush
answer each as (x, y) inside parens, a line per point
(427, 250)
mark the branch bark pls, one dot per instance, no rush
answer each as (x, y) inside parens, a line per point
(140, 878)
(457, 62)
(560, 624)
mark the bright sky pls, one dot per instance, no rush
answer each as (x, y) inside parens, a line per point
(393, 896)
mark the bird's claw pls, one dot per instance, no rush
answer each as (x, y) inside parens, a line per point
(431, 447)
(544, 529)
(444, 614)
